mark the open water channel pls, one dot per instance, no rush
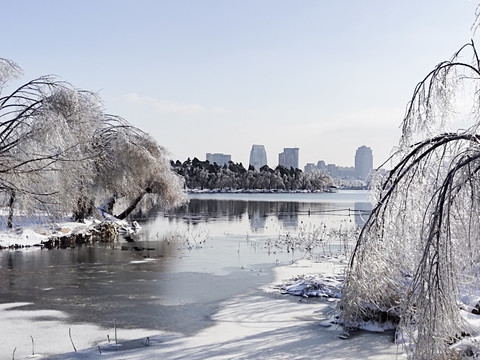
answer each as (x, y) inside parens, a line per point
(182, 264)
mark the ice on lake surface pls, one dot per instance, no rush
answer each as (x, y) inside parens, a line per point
(182, 264)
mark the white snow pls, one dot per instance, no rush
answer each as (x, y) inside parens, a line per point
(260, 324)
(31, 234)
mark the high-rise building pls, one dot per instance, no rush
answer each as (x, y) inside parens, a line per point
(218, 158)
(288, 158)
(258, 156)
(363, 162)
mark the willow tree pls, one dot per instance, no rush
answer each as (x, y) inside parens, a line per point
(60, 152)
(29, 151)
(133, 168)
(419, 250)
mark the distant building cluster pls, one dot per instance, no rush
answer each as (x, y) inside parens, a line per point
(361, 171)
(289, 159)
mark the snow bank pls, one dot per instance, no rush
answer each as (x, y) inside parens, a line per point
(33, 234)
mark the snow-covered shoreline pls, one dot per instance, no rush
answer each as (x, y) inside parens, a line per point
(263, 323)
(37, 234)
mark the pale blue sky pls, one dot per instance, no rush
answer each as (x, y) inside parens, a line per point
(326, 76)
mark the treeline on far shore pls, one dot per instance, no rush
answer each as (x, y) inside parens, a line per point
(203, 175)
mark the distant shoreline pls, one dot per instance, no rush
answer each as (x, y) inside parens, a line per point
(271, 191)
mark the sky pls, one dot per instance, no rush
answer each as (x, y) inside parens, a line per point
(326, 76)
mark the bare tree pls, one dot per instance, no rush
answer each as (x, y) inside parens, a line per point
(60, 153)
(419, 249)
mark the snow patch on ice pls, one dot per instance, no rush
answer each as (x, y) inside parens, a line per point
(314, 286)
(146, 260)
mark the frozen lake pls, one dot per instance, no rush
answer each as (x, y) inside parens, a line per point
(181, 265)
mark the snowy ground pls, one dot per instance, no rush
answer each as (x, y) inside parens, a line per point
(261, 324)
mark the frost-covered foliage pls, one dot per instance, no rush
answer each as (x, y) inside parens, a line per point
(203, 175)
(419, 250)
(133, 165)
(60, 153)
(8, 70)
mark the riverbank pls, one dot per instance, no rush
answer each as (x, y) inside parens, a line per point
(262, 323)
(258, 321)
(44, 234)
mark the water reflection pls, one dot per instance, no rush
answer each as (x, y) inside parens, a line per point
(204, 210)
(252, 215)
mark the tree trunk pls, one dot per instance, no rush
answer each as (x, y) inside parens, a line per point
(132, 206)
(10, 212)
(83, 209)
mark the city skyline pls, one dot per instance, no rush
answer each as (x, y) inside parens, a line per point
(207, 76)
(258, 155)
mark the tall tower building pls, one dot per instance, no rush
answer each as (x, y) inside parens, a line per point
(289, 158)
(363, 162)
(258, 156)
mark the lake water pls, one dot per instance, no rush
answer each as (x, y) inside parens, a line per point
(183, 263)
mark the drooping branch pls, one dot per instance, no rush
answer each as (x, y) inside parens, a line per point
(407, 168)
(419, 247)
